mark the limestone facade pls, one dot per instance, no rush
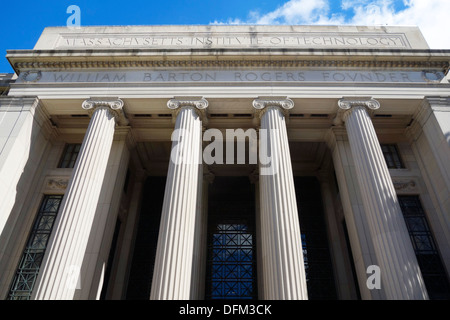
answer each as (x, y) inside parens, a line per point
(323, 102)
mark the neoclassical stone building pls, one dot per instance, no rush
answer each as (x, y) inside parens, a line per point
(212, 162)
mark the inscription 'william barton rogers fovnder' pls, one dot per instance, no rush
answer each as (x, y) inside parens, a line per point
(145, 76)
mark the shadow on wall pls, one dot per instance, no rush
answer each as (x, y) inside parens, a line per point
(24, 149)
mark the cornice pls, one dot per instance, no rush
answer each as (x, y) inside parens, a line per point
(274, 62)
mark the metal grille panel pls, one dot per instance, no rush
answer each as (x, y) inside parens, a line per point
(427, 254)
(232, 264)
(30, 263)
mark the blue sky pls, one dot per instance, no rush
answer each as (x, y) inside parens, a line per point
(23, 21)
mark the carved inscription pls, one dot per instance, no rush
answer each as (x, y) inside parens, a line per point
(147, 76)
(226, 40)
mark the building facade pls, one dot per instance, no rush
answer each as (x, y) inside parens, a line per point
(214, 162)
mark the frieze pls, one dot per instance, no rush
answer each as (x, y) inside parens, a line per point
(231, 75)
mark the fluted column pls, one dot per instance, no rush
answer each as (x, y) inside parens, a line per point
(174, 255)
(283, 265)
(400, 274)
(200, 242)
(59, 277)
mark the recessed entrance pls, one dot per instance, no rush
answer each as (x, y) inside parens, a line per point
(231, 260)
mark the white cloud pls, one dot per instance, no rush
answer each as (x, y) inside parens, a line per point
(431, 16)
(296, 11)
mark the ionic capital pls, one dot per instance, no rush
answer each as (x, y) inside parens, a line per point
(114, 105)
(347, 104)
(198, 104)
(262, 104)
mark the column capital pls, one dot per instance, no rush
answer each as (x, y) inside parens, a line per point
(199, 104)
(347, 104)
(177, 102)
(114, 105)
(262, 104)
(367, 102)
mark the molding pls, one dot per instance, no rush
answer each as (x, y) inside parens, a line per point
(19, 103)
(115, 106)
(423, 113)
(439, 103)
(34, 106)
(259, 63)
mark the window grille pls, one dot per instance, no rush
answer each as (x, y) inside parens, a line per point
(30, 262)
(427, 254)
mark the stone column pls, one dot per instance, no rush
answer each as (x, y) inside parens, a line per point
(429, 137)
(60, 272)
(342, 274)
(25, 132)
(200, 242)
(283, 265)
(174, 255)
(400, 274)
(362, 252)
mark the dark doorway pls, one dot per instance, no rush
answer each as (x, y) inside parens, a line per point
(316, 254)
(231, 260)
(141, 272)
